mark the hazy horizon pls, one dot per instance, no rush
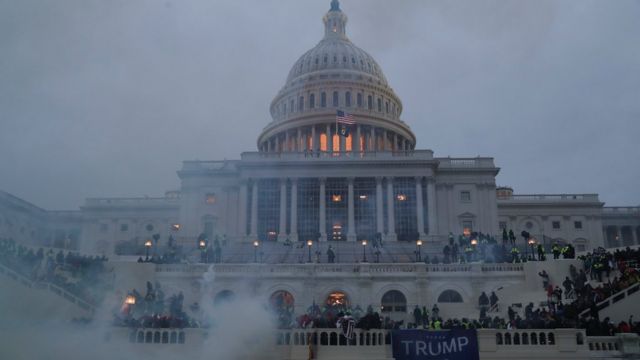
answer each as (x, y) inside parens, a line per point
(106, 98)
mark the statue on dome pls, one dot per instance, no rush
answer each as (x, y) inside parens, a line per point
(335, 5)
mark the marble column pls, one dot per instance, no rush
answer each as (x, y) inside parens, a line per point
(287, 142)
(372, 140)
(420, 208)
(431, 207)
(253, 234)
(394, 147)
(314, 140)
(391, 226)
(356, 144)
(329, 139)
(300, 146)
(323, 210)
(242, 212)
(282, 228)
(293, 235)
(379, 206)
(385, 147)
(351, 219)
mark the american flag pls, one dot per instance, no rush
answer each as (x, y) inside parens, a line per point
(344, 118)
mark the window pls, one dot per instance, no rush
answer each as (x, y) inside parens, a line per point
(467, 224)
(555, 225)
(335, 98)
(149, 227)
(577, 225)
(323, 99)
(312, 101)
(301, 103)
(124, 227)
(394, 301)
(386, 104)
(379, 105)
(450, 296)
(370, 102)
(359, 100)
(465, 196)
(502, 225)
(210, 198)
(347, 99)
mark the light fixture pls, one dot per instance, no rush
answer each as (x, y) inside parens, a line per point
(401, 197)
(202, 244)
(176, 227)
(130, 300)
(419, 243)
(466, 232)
(363, 197)
(256, 243)
(336, 198)
(148, 244)
(474, 242)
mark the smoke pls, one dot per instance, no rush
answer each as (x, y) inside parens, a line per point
(240, 328)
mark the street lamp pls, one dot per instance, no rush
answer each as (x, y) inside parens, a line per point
(202, 245)
(309, 245)
(418, 250)
(147, 246)
(364, 250)
(532, 243)
(256, 243)
(130, 300)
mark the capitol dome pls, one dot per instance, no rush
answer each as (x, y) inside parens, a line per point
(336, 75)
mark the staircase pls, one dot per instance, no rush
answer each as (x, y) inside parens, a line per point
(39, 300)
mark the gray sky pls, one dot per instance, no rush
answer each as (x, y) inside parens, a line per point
(106, 98)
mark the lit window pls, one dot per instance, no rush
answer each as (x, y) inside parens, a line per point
(555, 225)
(465, 196)
(210, 198)
(577, 224)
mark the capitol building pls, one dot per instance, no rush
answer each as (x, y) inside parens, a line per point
(381, 204)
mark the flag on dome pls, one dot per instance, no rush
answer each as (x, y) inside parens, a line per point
(344, 122)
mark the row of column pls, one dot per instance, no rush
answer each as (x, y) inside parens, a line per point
(619, 236)
(351, 232)
(300, 140)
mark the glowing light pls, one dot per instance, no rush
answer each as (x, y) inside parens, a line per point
(176, 227)
(336, 198)
(363, 197)
(364, 242)
(148, 243)
(401, 197)
(466, 232)
(256, 243)
(202, 244)
(272, 233)
(309, 242)
(210, 199)
(419, 243)
(130, 300)
(474, 242)
(532, 241)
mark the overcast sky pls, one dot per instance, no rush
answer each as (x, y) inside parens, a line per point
(106, 98)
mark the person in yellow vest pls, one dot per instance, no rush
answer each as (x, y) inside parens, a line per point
(555, 249)
(515, 253)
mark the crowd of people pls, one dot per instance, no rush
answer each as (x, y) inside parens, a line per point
(613, 271)
(154, 311)
(83, 276)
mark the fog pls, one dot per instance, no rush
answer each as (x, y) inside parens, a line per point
(106, 98)
(242, 328)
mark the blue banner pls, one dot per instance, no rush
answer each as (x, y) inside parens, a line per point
(435, 345)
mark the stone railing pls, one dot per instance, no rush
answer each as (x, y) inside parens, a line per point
(614, 298)
(45, 286)
(620, 345)
(622, 210)
(315, 268)
(454, 163)
(129, 201)
(553, 197)
(338, 155)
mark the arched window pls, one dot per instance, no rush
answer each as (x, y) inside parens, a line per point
(337, 299)
(301, 103)
(224, 296)
(284, 108)
(347, 99)
(394, 301)
(335, 99)
(282, 301)
(359, 100)
(323, 99)
(312, 101)
(379, 105)
(370, 102)
(450, 296)
(386, 104)
(291, 105)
